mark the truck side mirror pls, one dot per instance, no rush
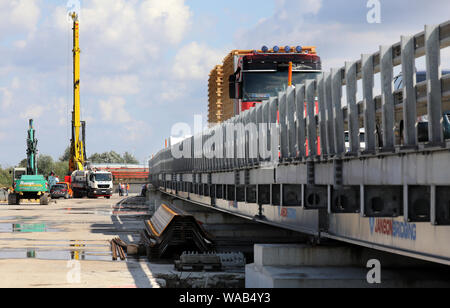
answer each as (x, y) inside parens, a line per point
(232, 86)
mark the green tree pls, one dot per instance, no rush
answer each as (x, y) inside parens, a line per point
(113, 157)
(45, 164)
(23, 163)
(5, 177)
(61, 169)
(66, 156)
(130, 159)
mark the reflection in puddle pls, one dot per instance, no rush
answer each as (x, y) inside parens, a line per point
(25, 228)
(80, 255)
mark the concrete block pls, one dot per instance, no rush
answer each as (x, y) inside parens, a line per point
(272, 277)
(305, 255)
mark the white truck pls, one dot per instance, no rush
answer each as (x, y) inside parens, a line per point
(92, 184)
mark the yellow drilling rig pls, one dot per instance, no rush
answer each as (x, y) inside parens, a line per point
(84, 181)
(77, 144)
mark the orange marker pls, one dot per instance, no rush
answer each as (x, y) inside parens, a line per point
(290, 75)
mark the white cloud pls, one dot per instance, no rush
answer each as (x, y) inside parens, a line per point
(18, 17)
(113, 110)
(7, 96)
(115, 85)
(195, 61)
(340, 31)
(170, 16)
(32, 112)
(137, 131)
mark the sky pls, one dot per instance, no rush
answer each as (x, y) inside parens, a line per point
(145, 63)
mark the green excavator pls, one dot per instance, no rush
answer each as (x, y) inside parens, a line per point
(26, 183)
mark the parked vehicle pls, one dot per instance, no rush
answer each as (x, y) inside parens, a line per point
(92, 184)
(61, 190)
(422, 125)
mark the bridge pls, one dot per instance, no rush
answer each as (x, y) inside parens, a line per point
(392, 195)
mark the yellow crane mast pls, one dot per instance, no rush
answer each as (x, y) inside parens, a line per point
(77, 150)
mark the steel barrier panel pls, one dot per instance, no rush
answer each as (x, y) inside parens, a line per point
(322, 114)
(353, 117)
(409, 90)
(291, 128)
(301, 121)
(369, 102)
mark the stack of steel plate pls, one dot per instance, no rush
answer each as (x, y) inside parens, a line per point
(170, 232)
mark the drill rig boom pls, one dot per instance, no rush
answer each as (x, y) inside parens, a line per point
(77, 151)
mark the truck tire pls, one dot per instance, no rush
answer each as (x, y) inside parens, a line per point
(44, 200)
(13, 199)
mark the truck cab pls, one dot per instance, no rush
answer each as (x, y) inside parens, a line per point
(100, 184)
(92, 184)
(263, 74)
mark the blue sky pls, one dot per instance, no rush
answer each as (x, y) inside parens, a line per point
(145, 63)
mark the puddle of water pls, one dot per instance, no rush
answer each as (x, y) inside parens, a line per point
(54, 255)
(25, 228)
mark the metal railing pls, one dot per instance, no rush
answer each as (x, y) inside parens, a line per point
(289, 128)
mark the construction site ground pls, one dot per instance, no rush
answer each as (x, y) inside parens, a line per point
(67, 244)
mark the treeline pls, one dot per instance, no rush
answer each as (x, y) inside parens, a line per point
(46, 164)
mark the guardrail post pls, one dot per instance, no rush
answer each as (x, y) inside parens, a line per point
(387, 97)
(253, 141)
(290, 100)
(322, 115)
(261, 134)
(338, 116)
(311, 117)
(283, 125)
(246, 121)
(369, 102)
(266, 120)
(301, 122)
(274, 131)
(434, 92)
(409, 91)
(329, 114)
(240, 141)
(353, 117)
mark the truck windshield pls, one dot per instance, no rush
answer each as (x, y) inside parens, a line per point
(103, 177)
(261, 86)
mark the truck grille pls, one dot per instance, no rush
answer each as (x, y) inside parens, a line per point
(103, 186)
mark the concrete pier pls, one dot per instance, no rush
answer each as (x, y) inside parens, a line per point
(304, 266)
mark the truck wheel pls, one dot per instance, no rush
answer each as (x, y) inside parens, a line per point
(108, 197)
(12, 199)
(44, 200)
